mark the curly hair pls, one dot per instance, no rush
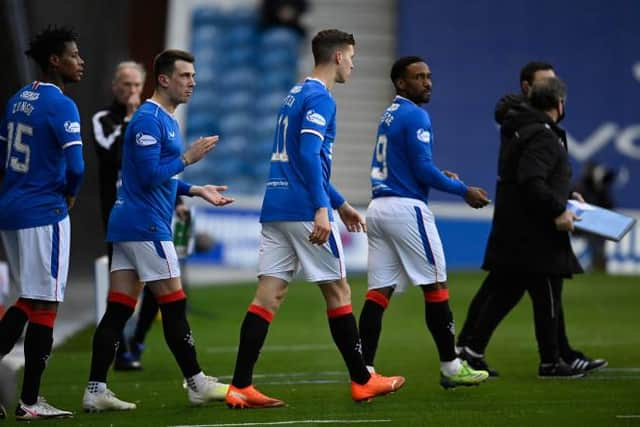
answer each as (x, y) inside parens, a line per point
(50, 41)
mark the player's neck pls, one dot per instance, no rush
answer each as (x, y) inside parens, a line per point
(325, 74)
(164, 101)
(52, 78)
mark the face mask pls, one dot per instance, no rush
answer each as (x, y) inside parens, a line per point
(561, 115)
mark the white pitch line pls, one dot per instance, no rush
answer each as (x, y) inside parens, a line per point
(274, 348)
(280, 423)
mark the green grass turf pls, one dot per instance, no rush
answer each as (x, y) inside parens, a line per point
(300, 365)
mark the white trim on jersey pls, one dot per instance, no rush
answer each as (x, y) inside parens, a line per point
(314, 132)
(98, 131)
(69, 144)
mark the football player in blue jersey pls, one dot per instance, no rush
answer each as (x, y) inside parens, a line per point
(298, 227)
(140, 230)
(42, 168)
(404, 245)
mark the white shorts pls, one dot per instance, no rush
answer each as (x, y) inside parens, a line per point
(151, 260)
(285, 249)
(404, 244)
(39, 260)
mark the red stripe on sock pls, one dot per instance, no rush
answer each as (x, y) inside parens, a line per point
(24, 306)
(340, 311)
(378, 297)
(123, 299)
(172, 297)
(261, 311)
(43, 317)
(437, 295)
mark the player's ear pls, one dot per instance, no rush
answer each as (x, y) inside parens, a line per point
(339, 56)
(163, 80)
(54, 60)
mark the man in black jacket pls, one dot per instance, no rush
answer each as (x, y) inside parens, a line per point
(109, 126)
(529, 248)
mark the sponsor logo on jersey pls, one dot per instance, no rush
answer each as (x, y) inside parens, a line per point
(72, 127)
(423, 135)
(29, 96)
(393, 107)
(296, 89)
(144, 139)
(316, 118)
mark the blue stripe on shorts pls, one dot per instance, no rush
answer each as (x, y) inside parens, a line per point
(423, 236)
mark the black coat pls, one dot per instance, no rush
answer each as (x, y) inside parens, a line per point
(534, 182)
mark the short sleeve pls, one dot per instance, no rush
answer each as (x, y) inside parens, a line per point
(318, 115)
(64, 119)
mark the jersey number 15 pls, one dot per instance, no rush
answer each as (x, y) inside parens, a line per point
(15, 144)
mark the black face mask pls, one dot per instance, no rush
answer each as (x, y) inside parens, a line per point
(561, 115)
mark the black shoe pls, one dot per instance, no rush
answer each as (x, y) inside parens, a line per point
(127, 362)
(477, 363)
(584, 364)
(558, 369)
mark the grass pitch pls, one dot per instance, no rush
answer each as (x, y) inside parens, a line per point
(300, 365)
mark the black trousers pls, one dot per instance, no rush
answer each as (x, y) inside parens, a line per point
(499, 293)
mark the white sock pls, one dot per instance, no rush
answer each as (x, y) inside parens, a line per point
(371, 369)
(197, 382)
(452, 367)
(96, 387)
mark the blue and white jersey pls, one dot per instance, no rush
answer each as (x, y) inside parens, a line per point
(39, 125)
(402, 164)
(298, 181)
(151, 159)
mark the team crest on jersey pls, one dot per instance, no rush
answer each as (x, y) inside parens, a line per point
(316, 118)
(423, 135)
(72, 127)
(29, 95)
(144, 139)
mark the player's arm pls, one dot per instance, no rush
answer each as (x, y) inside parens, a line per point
(211, 193)
(317, 115)
(65, 121)
(538, 159)
(145, 136)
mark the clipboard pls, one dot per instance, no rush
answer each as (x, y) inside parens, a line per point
(600, 221)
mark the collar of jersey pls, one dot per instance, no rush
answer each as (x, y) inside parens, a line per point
(400, 97)
(160, 106)
(316, 80)
(39, 83)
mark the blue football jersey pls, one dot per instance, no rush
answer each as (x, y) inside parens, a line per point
(40, 122)
(402, 164)
(308, 111)
(151, 159)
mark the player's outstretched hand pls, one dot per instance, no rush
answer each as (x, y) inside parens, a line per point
(321, 227)
(199, 149)
(351, 218)
(476, 197)
(211, 193)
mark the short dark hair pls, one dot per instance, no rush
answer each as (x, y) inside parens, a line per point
(546, 93)
(165, 61)
(527, 72)
(399, 68)
(324, 44)
(50, 41)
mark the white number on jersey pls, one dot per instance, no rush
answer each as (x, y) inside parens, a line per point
(15, 132)
(380, 171)
(280, 155)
